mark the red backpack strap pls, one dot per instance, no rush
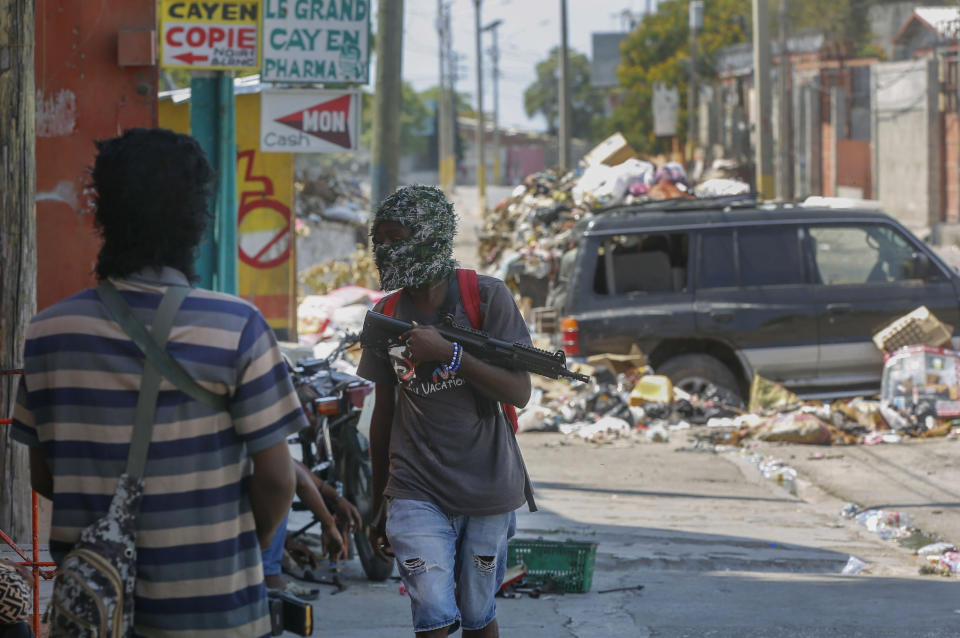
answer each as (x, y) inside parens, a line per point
(470, 297)
(511, 412)
(390, 304)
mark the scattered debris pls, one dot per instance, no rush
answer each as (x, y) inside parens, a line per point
(854, 566)
(615, 589)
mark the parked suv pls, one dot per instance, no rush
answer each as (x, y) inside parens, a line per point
(715, 295)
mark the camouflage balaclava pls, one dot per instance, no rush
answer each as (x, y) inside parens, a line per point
(427, 254)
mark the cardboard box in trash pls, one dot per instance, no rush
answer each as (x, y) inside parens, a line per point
(612, 151)
(620, 363)
(922, 379)
(918, 328)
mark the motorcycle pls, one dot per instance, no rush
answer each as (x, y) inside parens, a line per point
(333, 447)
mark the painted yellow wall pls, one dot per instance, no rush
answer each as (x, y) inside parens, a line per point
(267, 245)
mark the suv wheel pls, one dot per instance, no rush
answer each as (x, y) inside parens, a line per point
(701, 374)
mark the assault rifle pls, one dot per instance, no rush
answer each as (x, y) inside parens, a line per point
(381, 331)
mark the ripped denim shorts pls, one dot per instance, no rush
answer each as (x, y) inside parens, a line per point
(447, 585)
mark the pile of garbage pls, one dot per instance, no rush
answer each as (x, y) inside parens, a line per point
(920, 398)
(937, 557)
(328, 195)
(358, 269)
(323, 317)
(523, 238)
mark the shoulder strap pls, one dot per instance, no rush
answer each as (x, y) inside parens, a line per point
(390, 305)
(470, 296)
(150, 382)
(166, 364)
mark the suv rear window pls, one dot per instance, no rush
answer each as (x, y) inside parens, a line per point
(770, 256)
(642, 263)
(863, 255)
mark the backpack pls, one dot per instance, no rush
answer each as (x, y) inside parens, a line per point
(470, 297)
(93, 592)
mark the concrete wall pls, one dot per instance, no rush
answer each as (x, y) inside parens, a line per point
(907, 148)
(951, 170)
(83, 94)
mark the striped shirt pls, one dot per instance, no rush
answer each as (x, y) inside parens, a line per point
(198, 560)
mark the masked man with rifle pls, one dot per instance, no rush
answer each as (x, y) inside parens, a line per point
(447, 470)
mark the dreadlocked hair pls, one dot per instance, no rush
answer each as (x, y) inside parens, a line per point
(153, 190)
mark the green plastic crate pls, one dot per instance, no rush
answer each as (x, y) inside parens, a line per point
(567, 565)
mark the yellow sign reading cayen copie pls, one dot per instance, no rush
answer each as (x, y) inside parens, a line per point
(221, 36)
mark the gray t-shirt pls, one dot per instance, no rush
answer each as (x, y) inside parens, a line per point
(449, 445)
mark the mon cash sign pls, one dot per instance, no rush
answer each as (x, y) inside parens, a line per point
(309, 121)
(316, 41)
(210, 35)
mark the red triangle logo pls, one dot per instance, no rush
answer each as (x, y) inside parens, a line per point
(329, 121)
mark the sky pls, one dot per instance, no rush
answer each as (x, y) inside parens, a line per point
(530, 29)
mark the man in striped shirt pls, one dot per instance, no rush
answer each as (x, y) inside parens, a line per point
(218, 483)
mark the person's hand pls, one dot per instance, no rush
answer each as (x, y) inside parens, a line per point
(424, 343)
(378, 534)
(301, 553)
(349, 514)
(25, 573)
(333, 542)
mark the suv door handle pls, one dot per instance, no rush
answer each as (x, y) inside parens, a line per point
(721, 316)
(839, 308)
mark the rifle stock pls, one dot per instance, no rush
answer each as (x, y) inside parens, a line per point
(381, 331)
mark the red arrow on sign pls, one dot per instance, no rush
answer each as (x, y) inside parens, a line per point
(328, 121)
(189, 57)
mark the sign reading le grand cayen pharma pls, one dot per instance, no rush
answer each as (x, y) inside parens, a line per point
(316, 41)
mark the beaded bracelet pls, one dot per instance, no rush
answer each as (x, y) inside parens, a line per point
(454, 364)
(459, 357)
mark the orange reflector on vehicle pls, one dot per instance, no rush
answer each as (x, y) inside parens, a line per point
(327, 406)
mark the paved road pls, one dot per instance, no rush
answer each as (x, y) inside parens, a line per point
(720, 552)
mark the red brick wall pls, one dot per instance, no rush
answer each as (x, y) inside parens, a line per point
(854, 164)
(826, 165)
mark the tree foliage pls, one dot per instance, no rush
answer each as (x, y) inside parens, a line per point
(414, 121)
(586, 103)
(659, 51)
(463, 101)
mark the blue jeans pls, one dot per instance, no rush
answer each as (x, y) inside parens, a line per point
(273, 554)
(452, 566)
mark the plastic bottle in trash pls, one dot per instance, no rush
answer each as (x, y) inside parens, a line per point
(787, 479)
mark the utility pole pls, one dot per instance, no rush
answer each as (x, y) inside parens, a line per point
(443, 116)
(761, 105)
(454, 74)
(18, 245)
(564, 110)
(481, 132)
(387, 101)
(495, 58)
(696, 22)
(784, 129)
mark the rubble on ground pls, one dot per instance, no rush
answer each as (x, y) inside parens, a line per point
(625, 399)
(329, 195)
(358, 269)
